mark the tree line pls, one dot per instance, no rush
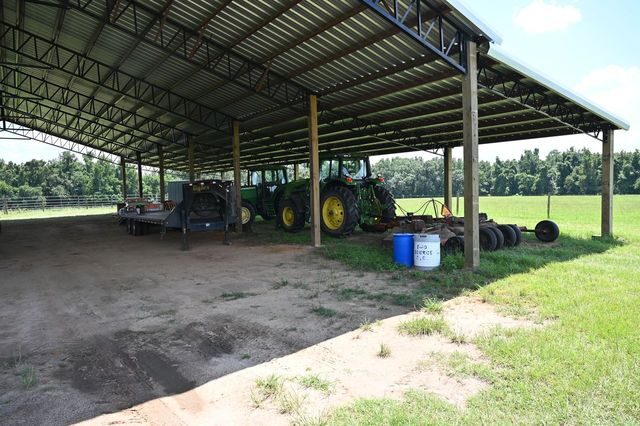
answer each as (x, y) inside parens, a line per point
(572, 172)
(69, 176)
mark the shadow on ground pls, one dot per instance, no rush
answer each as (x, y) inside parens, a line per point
(95, 320)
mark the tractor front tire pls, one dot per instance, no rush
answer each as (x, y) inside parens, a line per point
(388, 204)
(290, 216)
(339, 213)
(247, 215)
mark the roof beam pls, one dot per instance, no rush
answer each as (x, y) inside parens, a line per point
(82, 104)
(533, 98)
(59, 142)
(427, 37)
(210, 55)
(38, 49)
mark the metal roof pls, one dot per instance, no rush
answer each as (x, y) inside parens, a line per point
(126, 77)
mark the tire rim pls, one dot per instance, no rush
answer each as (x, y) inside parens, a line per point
(245, 214)
(333, 213)
(288, 216)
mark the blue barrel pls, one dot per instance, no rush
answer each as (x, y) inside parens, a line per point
(403, 249)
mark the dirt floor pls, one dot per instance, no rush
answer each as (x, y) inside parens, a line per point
(95, 321)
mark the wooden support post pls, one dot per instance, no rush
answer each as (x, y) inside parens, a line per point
(139, 158)
(123, 172)
(190, 152)
(296, 171)
(314, 170)
(161, 171)
(237, 178)
(448, 178)
(607, 184)
(470, 143)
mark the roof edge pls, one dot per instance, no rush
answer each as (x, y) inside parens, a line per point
(468, 18)
(498, 54)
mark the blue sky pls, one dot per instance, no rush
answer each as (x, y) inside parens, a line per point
(588, 46)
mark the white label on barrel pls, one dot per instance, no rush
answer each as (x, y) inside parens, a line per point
(426, 254)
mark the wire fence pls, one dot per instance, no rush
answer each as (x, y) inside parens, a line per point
(44, 203)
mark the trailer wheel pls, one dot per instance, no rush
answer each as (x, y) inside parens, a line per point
(547, 231)
(509, 235)
(247, 215)
(518, 232)
(499, 237)
(488, 239)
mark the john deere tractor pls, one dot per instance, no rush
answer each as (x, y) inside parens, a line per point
(349, 196)
(259, 194)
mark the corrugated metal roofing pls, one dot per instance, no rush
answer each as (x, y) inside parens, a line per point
(130, 76)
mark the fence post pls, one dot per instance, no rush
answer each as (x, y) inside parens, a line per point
(549, 206)
(5, 205)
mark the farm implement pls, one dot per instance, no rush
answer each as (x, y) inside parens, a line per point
(450, 228)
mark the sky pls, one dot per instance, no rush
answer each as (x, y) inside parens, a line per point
(587, 46)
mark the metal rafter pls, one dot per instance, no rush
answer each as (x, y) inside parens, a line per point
(298, 41)
(97, 109)
(438, 34)
(129, 51)
(59, 142)
(210, 55)
(536, 99)
(36, 48)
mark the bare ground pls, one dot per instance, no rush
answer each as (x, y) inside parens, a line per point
(95, 321)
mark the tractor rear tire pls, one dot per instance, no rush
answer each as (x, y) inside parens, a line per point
(388, 203)
(518, 232)
(247, 215)
(499, 237)
(339, 213)
(509, 235)
(547, 231)
(290, 216)
(488, 240)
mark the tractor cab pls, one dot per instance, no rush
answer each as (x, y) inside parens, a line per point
(345, 168)
(260, 191)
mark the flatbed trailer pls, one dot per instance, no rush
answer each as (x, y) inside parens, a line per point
(206, 205)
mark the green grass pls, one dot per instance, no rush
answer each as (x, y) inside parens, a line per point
(315, 382)
(423, 326)
(384, 351)
(62, 212)
(583, 366)
(324, 312)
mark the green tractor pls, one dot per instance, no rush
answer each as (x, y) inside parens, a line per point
(349, 196)
(259, 195)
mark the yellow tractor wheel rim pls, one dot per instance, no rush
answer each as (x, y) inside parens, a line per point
(333, 213)
(288, 216)
(245, 214)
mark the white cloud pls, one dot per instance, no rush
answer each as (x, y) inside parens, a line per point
(541, 16)
(616, 89)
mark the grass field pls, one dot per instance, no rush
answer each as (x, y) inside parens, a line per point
(62, 212)
(581, 368)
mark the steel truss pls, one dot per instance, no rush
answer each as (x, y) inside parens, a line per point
(195, 47)
(427, 25)
(133, 122)
(529, 97)
(49, 138)
(44, 51)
